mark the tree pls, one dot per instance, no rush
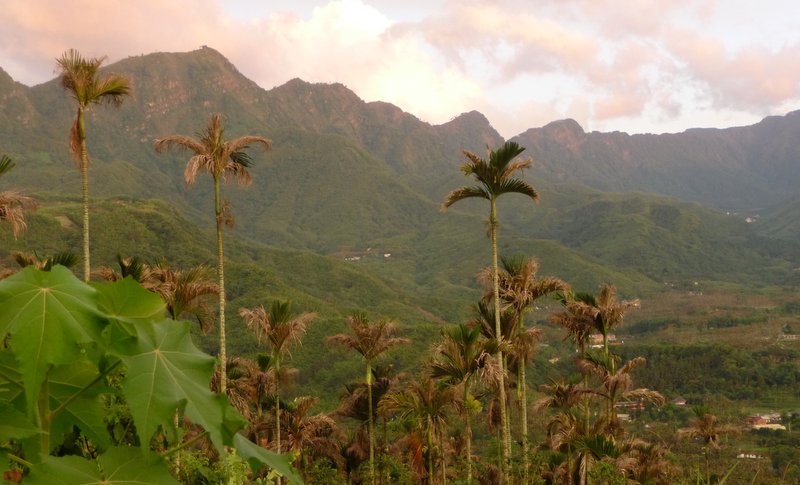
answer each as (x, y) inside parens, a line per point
(428, 405)
(459, 357)
(604, 312)
(13, 204)
(616, 384)
(355, 404)
(222, 159)
(80, 76)
(568, 424)
(185, 292)
(706, 427)
(370, 340)
(46, 263)
(519, 289)
(311, 436)
(65, 340)
(495, 177)
(278, 328)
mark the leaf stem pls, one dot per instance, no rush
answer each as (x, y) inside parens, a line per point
(184, 444)
(19, 460)
(69, 400)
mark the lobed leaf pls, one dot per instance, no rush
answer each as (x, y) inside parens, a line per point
(167, 372)
(50, 315)
(256, 456)
(117, 466)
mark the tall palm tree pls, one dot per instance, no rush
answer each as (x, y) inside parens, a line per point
(222, 159)
(428, 404)
(80, 76)
(279, 328)
(13, 204)
(460, 357)
(370, 340)
(520, 288)
(355, 405)
(495, 177)
(568, 424)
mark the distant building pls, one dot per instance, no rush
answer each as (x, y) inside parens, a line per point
(596, 340)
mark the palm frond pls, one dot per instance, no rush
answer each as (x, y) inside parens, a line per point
(464, 193)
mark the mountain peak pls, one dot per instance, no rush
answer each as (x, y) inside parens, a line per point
(567, 125)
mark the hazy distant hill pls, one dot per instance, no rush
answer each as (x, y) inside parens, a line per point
(744, 168)
(348, 178)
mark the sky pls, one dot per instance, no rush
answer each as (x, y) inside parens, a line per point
(637, 66)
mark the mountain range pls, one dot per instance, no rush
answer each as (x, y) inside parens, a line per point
(361, 184)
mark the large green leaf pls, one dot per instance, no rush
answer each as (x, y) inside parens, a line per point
(49, 314)
(256, 456)
(167, 372)
(118, 466)
(77, 387)
(125, 303)
(14, 424)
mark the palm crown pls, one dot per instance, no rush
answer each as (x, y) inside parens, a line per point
(495, 175)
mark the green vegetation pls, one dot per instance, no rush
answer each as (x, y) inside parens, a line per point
(344, 223)
(495, 177)
(68, 348)
(222, 159)
(79, 76)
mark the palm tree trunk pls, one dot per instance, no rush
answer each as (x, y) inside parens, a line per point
(430, 450)
(278, 404)
(523, 386)
(371, 426)
(87, 267)
(223, 354)
(468, 432)
(443, 457)
(506, 445)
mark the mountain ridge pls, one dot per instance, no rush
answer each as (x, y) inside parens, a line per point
(346, 175)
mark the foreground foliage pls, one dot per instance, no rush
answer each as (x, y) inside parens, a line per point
(66, 346)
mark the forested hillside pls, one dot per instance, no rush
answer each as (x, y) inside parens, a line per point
(691, 236)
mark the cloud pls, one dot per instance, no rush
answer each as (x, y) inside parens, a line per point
(749, 79)
(607, 63)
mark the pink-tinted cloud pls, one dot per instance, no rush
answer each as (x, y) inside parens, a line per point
(607, 63)
(749, 79)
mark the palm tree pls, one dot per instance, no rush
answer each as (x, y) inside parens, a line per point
(80, 76)
(370, 340)
(46, 263)
(616, 384)
(428, 405)
(519, 289)
(706, 427)
(603, 311)
(311, 437)
(568, 424)
(279, 328)
(355, 404)
(459, 357)
(185, 292)
(495, 177)
(13, 204)
(222, 159)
